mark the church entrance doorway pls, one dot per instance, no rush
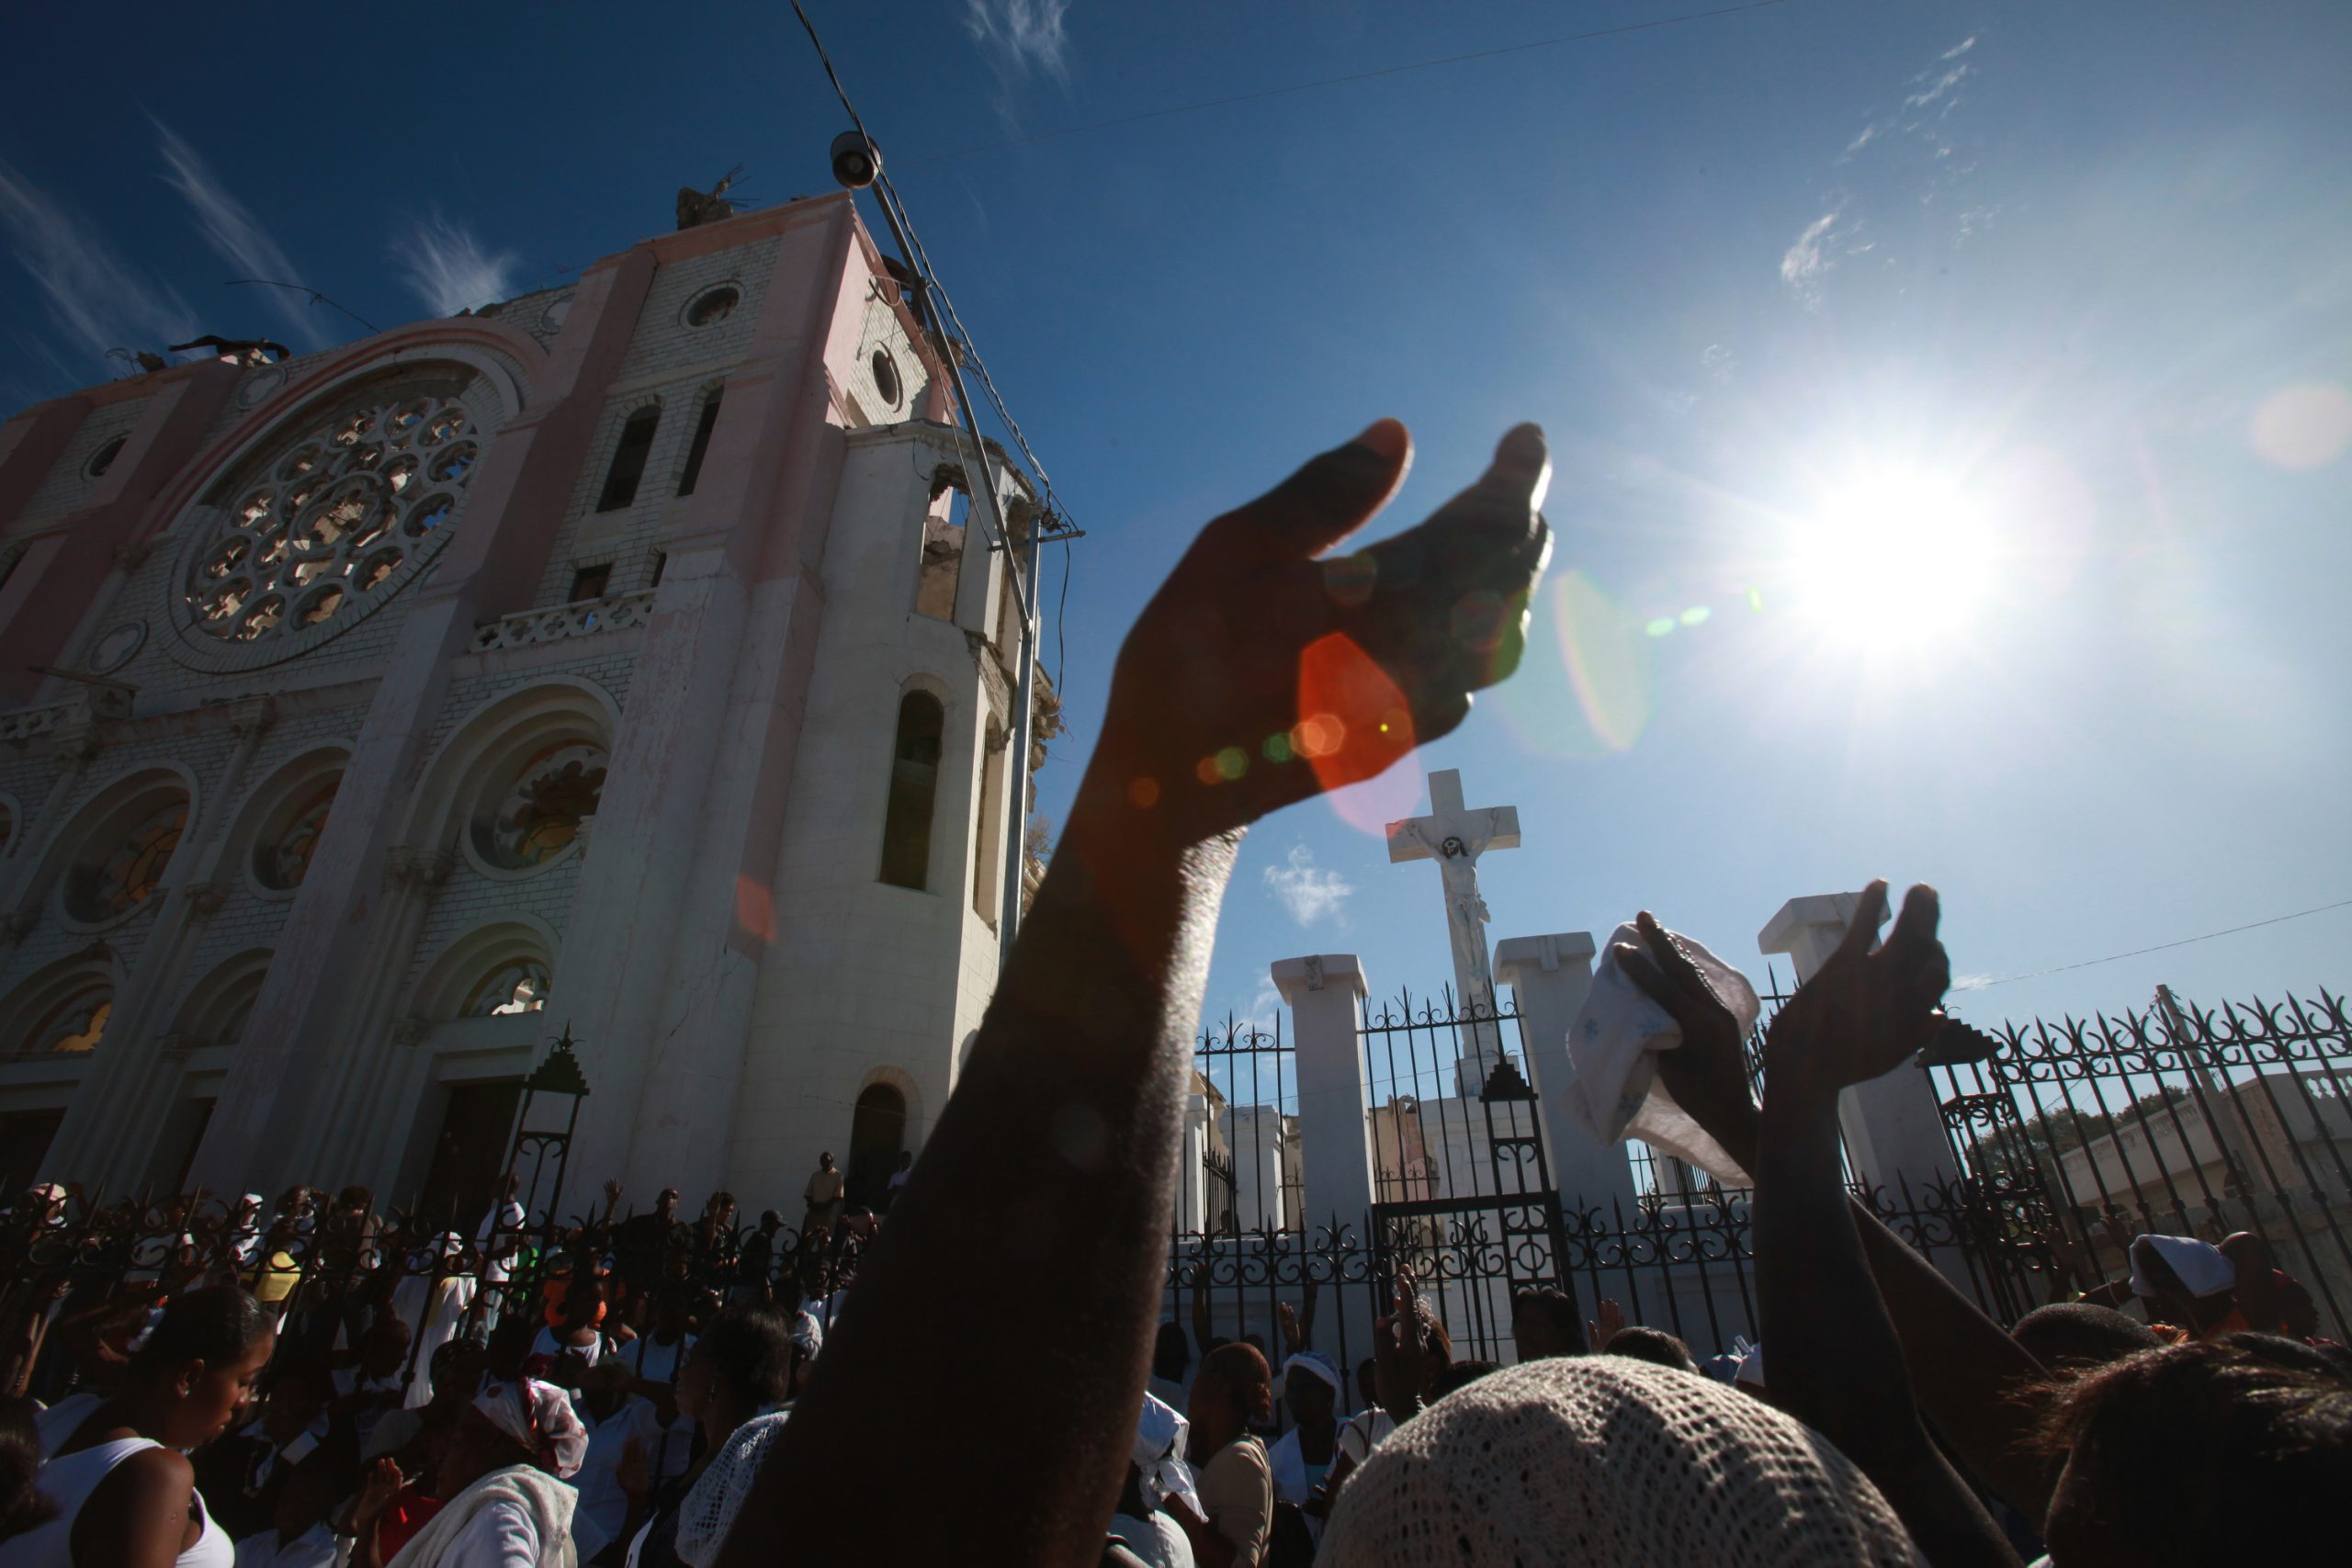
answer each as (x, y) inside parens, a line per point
(25, 1137)
(877, 1132)
(176, 1144)
(470, 1154)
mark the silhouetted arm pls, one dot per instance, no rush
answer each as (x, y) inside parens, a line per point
(1963, 1366)
(1834, 1359)
(1258, 676)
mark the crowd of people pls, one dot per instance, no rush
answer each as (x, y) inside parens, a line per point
(290, 1392)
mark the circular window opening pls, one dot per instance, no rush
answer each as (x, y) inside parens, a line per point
(536, 818)
(119, 874)
(283, 857)
(103, 458)
(714, 306)
(885, 377)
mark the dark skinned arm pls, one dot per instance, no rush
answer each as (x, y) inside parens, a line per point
(1303, 675)
(1837, 1364)
(1963, 1366)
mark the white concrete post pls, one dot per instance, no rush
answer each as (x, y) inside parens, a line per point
(1893, 1125)
(1191, 1215)
(1324, 993)
(1549, 976)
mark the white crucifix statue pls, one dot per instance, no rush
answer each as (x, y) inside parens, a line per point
(1455, 838)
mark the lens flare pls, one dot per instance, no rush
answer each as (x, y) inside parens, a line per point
(1583, 689)
(1356, 723)
(2303, 427)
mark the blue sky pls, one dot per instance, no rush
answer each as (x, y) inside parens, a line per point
(1950, 403)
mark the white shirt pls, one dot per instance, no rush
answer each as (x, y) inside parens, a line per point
(63, 1419)
(501, 1535)
(314, 1548)
(601, 1501)
(1159, 1540)
(501, 1235)
(652, 1362)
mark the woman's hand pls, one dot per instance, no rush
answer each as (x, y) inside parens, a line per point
(1707, 1075)
(1260, 675)
(1866, 1012)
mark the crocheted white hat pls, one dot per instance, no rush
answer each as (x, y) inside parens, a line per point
(709, 1509)
(1605, 1460)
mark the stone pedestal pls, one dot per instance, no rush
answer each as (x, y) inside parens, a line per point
(1324, 993)
(1549, 976)
(1893, 1126)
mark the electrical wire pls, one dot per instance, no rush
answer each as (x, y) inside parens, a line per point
(885, 192)
(2162, 946)
(1342, 81)
(316, 297)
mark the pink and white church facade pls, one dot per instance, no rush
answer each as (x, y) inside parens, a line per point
(609, 657)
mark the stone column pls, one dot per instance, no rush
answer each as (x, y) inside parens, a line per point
(1325, 992)
(1549, 976)
(1893, 1125)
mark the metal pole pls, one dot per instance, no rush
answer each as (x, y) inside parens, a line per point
(1016, 789)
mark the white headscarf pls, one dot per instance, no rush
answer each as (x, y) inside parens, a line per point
(1159, 1452)
(539, 1416)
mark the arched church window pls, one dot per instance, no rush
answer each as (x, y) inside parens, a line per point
(315, 534)
(133, 867)
(704, 425)
(520, 985)
(915, 785)
(74, 1025)
(629, 460)
(555, 793)
(8, 826)
(285, 858)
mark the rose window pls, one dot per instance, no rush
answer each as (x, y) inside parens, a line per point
(331, 522)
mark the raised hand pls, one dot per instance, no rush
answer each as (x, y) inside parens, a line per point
(1866, 1012)
(1287, 1316)
(1707, 1075)
(1600, 1328)
(1260, 675)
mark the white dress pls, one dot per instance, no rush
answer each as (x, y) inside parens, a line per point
(69, 1482)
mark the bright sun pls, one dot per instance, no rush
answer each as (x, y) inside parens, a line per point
(1892, 558)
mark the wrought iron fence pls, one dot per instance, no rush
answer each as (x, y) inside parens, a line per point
(2065, 1141)
(2180, 1119)
(326, 1269)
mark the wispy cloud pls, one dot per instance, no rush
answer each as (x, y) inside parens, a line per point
(96, 298)
(448, 269)
(1971, 982)
(1021, 36)
(231, 228)
(1937, 89)
(1309, 893)
(1817, 250)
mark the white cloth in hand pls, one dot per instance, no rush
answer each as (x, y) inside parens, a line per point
(1615, 1093)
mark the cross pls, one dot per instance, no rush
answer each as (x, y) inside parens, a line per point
(1455, 837)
